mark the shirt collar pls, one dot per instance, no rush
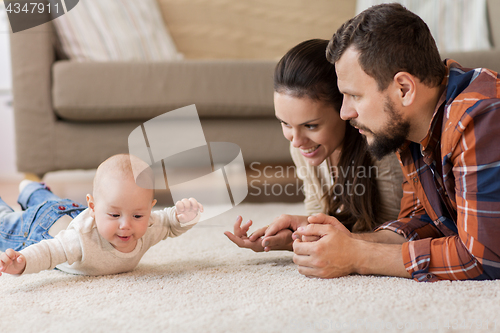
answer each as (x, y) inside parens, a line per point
(433, 135)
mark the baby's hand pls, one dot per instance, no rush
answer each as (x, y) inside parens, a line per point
(12, 262)
(187, 209)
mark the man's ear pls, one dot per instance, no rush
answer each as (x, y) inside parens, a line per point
(407, 87)
(91, 204)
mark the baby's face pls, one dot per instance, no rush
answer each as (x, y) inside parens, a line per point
(121, 211)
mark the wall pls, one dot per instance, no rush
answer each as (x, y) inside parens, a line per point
(7, 160)
(250, 29)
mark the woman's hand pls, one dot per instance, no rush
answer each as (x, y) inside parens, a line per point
(277, 236)
(285, 221)
(274, 237)
(241, 239)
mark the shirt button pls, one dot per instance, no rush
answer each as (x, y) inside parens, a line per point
(25, 234)
(61, 208)
(415, 180)
(429, 276)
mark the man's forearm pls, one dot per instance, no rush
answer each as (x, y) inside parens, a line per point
(379, 259)
(382, 236)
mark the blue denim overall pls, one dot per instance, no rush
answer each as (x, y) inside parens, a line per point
(41, 208)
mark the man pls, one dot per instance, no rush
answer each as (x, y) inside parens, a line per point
(443, 121)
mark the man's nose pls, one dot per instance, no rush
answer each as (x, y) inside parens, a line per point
(347, 112)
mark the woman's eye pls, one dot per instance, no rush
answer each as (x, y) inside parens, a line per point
(284, 124)
(311, 127)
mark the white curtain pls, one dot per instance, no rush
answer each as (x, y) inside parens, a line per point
(457, 25)
(5, 72)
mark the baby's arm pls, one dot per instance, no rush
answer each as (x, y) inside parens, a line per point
(12, 262)
(187, 209)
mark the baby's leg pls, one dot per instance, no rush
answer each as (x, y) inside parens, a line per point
(9, 223)
(4, 209)
(34, 194)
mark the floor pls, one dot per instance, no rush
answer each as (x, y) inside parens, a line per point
(66, 184)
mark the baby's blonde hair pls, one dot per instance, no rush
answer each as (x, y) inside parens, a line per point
(125, 167)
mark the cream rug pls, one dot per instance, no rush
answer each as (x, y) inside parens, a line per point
(201, 282)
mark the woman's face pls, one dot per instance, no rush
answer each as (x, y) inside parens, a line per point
(314, 127)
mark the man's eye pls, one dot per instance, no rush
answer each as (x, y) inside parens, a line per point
(346, 95)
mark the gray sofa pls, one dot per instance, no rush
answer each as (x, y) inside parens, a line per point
(71, 115)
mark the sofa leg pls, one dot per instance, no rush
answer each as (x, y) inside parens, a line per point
(33, 177)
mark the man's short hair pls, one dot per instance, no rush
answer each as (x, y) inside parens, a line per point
(390, 39)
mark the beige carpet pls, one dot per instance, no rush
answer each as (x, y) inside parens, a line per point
(201, 282)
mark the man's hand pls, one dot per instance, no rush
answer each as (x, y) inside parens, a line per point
(327, 257)
(187, 209)
(338, 253)
(12, 262)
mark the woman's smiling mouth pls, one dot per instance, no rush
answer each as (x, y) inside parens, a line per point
(309, 151)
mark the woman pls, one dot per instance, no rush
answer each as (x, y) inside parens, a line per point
(339, 175)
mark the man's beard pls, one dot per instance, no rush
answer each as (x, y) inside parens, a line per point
(392, 137)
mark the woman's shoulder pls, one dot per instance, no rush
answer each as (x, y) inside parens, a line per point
(389, 176)
(388, 164)
(389, 180)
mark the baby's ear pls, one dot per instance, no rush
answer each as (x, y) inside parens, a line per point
(153, 203)
(90, 203)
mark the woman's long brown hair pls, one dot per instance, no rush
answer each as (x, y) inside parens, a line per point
(305, 71)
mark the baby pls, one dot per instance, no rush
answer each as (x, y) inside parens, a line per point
(108, 237)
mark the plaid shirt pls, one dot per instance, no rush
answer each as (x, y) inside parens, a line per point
(450, 210)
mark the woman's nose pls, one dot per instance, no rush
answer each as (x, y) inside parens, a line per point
(298, 139)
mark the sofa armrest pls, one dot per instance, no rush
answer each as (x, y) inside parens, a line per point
(474, 59)
(32, 54)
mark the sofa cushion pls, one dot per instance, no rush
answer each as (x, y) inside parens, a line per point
(140, 91)
(115, 30)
